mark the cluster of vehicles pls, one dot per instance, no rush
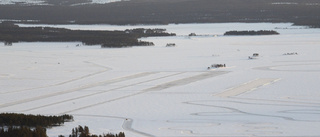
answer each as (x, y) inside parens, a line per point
(170, 45)
(254, 56)
(292, 53)
(217, 66)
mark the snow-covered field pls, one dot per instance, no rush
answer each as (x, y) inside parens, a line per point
(168, 91)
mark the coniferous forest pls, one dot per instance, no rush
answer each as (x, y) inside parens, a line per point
(16, 120)
(84, 132)
(252, 32)
(21, 125)
(23, 131)
(10, 33)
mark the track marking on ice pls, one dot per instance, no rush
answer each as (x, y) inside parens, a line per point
(127, 123)
(246, 87)
(114, 89)
(312, 67)
(232, 111)
(77, 89)
(186, 81)
(163, 86)
(66, 82)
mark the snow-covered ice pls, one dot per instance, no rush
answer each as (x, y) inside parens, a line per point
(168, 91)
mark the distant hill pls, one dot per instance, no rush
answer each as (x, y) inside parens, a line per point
(10, 33)
(299, 12)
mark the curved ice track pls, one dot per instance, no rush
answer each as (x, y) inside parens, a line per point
(127, 123)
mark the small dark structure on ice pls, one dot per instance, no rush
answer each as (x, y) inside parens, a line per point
(217, 66)
(293, 53)
(171, 45)
(192, 34)
(254, 56)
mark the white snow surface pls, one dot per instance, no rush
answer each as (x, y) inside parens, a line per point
(160, 91)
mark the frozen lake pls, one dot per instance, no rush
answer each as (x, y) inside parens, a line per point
(160, 91)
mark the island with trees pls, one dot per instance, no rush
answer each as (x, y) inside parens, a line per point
(252, 32)
(11, 33)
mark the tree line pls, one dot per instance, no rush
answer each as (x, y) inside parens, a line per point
(84, 132)
(17, 120)
(10, 33)
(21, 125)
(23, 131)
(252, 32)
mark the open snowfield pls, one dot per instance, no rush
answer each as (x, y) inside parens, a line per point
(163, 91)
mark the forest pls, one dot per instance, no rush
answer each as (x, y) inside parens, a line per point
(23, 131)
(299, 12)
(22, 125)
(10, 33)
(252, 32)
(13, 119)
(84, 132)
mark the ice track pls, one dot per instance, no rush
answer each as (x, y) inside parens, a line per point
(246, 87)
(101, 91)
